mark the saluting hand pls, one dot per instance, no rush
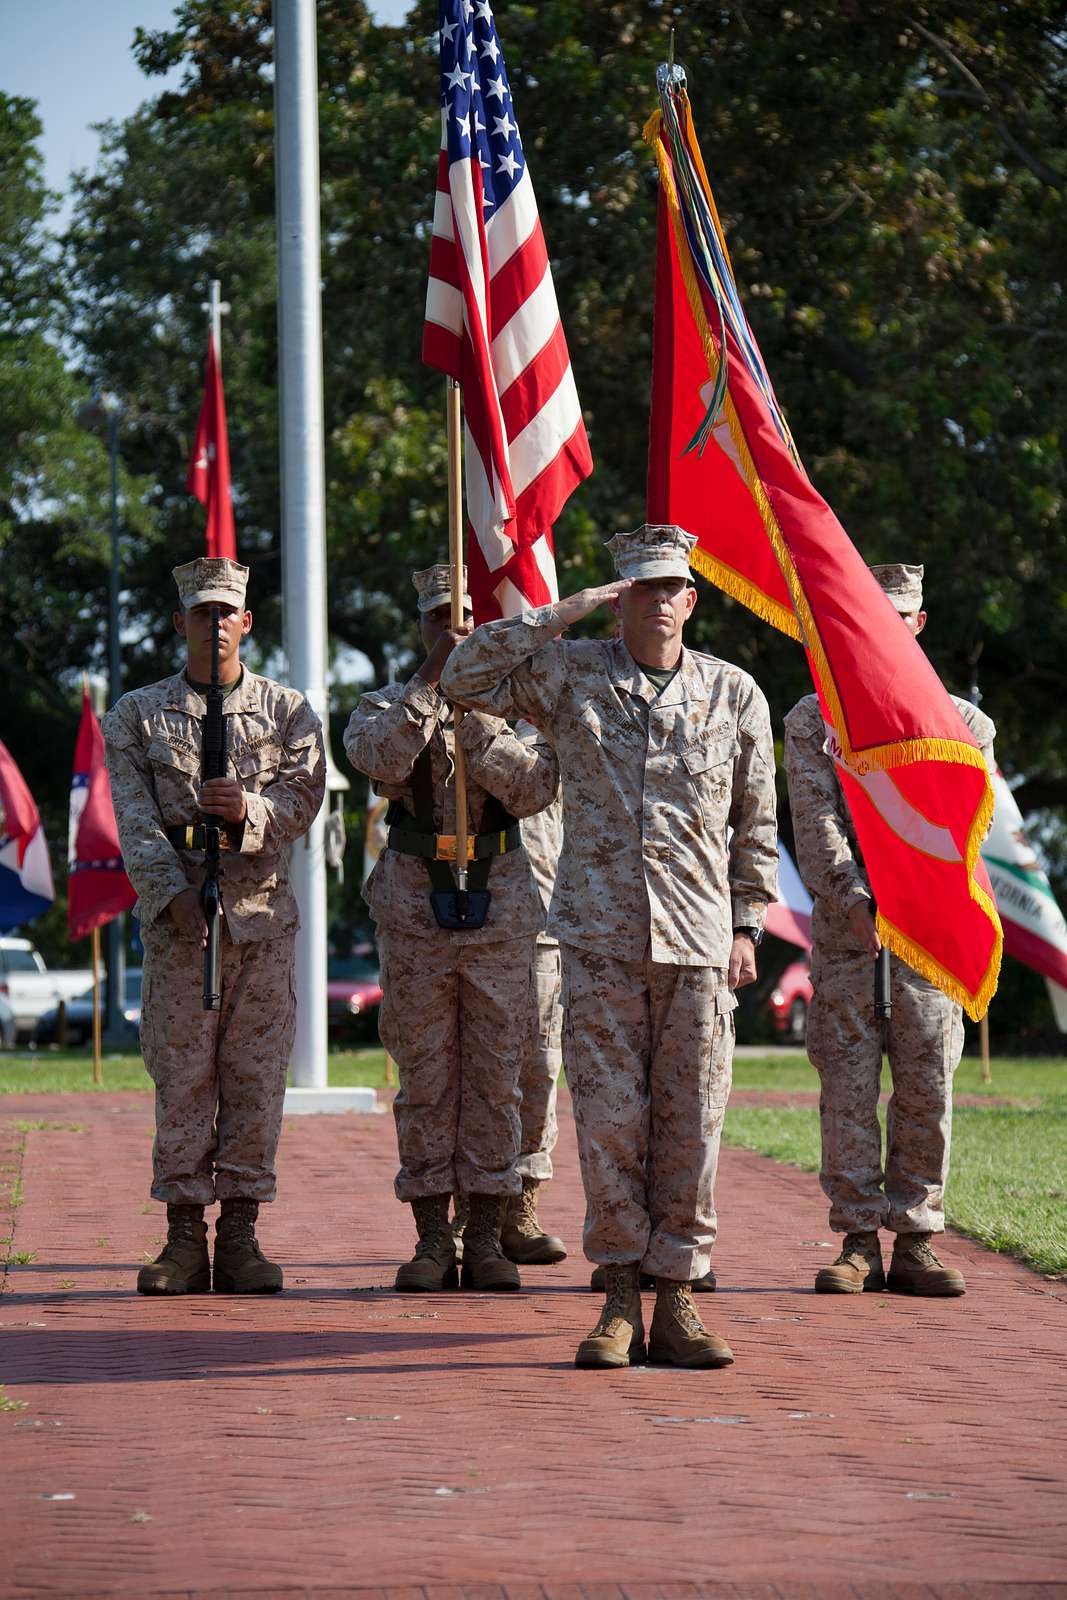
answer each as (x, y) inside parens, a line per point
(223, 797)
(444, 644)
(576, 606)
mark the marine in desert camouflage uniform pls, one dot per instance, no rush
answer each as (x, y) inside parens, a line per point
(219, 1076)
(924, 1031)
(458, 1011)
(523, 1238)
(661, 750)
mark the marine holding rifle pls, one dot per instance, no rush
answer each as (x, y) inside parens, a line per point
(218, 1059)
(458, 1010)
(923, 1032)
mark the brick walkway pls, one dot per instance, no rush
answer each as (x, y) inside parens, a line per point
(343, 1440)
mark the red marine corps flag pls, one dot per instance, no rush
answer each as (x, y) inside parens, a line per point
(98, 888)
(209, 470)
(723, 464)
(492, 323)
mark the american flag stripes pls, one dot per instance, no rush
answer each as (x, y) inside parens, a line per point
(493, 324)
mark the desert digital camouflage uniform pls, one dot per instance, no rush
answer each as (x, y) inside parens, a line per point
(542, 837)
(458, 1010)
(647, 896)
(925, 1029)
(229, 1064)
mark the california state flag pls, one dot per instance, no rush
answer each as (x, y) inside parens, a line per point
(723, 465)
(1035, 932)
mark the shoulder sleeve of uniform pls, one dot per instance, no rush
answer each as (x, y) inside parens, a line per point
(805, 718)
(120, 725)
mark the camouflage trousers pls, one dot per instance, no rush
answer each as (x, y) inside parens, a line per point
(540, 1071)
(458, 1019)
(925, 1041)
(649, 1050)
(219, 1075)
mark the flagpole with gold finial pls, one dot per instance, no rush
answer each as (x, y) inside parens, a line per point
(455, 556)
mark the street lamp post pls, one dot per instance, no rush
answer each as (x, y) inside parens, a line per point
(105, 410)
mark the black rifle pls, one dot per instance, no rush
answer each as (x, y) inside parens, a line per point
(213, 765)
(883, 993)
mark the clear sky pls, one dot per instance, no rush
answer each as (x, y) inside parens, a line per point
(73, 57)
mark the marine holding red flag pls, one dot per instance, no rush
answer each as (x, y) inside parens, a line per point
(99, 888)
(209, 470)
(493, 324)
(723, 465)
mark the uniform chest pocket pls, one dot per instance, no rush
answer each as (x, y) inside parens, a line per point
(711, 771)
(256, 768)
(173, 760)
(608, 726)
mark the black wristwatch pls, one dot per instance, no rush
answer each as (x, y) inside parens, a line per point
(755, 934)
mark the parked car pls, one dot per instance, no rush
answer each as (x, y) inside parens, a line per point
(80, 1015)
(7, 1026)
(353, 993)
(30, 988)
(790, 1000)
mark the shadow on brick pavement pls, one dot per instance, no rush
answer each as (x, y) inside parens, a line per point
(342, 1440)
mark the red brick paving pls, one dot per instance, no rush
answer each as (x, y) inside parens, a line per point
(340, 1440)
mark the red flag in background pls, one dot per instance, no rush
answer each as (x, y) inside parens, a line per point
(209, 470)
(723, 465)
(98, 888)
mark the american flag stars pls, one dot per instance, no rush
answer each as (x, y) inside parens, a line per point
(477, 100)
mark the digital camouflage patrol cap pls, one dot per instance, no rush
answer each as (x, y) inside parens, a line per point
(434, 585)
(903, 585)
(655, 550)
(211, 580)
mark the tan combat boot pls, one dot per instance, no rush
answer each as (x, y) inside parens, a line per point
(705, 1285)
(915, 1269)
(485, 1266)
(678, 1338)
(858, 1267)
(618, 1340)
(433, 1266)
(522, 1238)
(240, 1266)
(184, 1267)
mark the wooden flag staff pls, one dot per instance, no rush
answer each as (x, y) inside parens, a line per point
(98, 1073)
(455, 556)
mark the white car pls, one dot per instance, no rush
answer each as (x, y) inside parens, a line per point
(7, 1026)
(30, 988)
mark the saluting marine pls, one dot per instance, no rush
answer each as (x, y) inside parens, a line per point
(661, 750)
(924, 1030)
(219, 1075)
(458, 1010)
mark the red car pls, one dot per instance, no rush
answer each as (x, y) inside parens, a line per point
(790, 1000)
(353, 993)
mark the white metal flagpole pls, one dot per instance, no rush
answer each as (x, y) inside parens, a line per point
(296, 102)
(296, 124)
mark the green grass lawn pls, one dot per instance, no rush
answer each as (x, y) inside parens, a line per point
(1009, 1163)
(1008, 1185)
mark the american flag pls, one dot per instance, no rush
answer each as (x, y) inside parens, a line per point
(493, 324)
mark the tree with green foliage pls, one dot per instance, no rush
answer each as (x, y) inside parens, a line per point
(891, 180)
